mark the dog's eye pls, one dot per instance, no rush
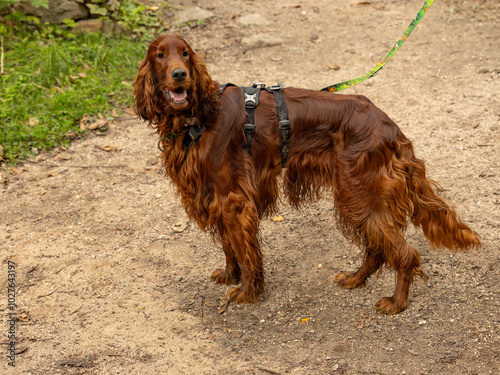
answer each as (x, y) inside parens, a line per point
(161, 55)
(185, 54)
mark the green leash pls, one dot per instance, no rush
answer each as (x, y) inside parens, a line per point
(380, 65)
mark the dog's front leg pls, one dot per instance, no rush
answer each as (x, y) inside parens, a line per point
(232, 273)
(240, 223)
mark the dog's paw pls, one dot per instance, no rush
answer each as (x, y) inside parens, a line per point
(388, 305)
(348, 281)
(241, 295)
(220, 276)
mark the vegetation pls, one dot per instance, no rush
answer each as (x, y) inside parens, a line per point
(51, 77)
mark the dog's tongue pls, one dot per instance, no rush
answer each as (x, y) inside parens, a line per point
(178, 96)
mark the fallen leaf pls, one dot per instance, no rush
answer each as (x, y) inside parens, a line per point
(333, 67)
(73, 78)
(43, 193)
(52, 174)
(222, 310)
(125, 83)
(109, 148)
(305, 320)
(277, 219)
(83, 122)
(23, 317)
(130, 111)
(71, 135)
(33, 121)
(97, 124)
(59, 90)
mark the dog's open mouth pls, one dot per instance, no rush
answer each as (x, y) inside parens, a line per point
(177, 96)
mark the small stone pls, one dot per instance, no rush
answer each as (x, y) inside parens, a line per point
(253, 19)
(180, 226)
(193, 14)
(260, 41)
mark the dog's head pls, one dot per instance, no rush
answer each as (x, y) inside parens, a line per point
(172, 79)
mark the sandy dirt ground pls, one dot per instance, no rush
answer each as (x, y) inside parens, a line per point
(112, 278)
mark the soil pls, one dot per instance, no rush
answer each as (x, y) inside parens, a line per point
(112, 278)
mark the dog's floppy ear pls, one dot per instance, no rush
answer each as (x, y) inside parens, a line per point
(146, 101)
(204, 89)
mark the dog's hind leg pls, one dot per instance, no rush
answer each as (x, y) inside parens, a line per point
(406, 261)
(374, 259)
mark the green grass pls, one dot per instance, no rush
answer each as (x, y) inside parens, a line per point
(56, 80)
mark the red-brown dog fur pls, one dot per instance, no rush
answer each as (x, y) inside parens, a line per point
(341, 143)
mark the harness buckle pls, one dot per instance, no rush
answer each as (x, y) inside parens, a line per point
(284, 124)
(249, 128)
(194, 134)
(259, 85)
(250, 100)
(277, 86)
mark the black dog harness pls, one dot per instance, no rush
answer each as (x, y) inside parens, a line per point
(251, 98)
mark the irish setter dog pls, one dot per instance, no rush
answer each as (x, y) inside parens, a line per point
(340, 143)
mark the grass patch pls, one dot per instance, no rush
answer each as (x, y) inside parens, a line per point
(52, 80)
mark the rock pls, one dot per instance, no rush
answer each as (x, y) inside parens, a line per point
(93, 25)
(260, 41)
(193, 14)
(58, 10)
(253, 19)
(180, 225)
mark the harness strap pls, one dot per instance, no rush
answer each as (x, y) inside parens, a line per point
(223, 87)
(284, 123)
(251, 98)
(192, 135)
(195, 131)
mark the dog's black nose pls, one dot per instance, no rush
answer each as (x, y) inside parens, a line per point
(179, 74)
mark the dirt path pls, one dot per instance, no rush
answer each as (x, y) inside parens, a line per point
(113, 279)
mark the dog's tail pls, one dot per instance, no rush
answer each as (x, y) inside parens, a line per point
(435, 215)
